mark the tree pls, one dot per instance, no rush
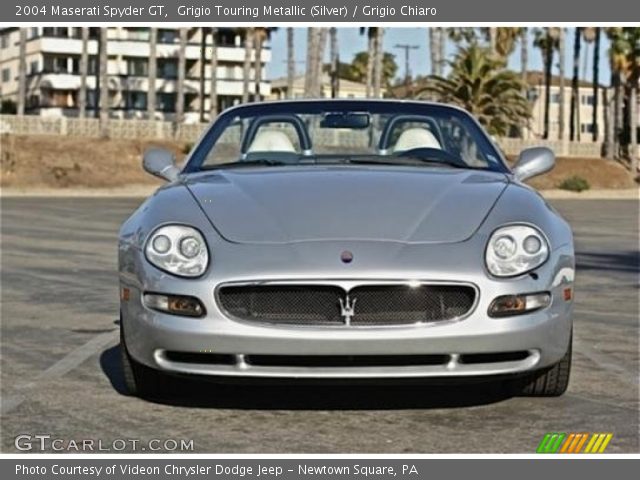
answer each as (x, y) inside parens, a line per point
(596, 84)
(213, 87)
(524, 53)
(434, 49)
(201, 77)
(291, 62)
(22, 71)
(104, 84)
(378, 63)
(624, 56)
(153, 73)
(559, 36)
(84, 72)
(260, 36)
(480, 83)
(357, 70)
(182, 67)
(309, 61)
(246, 69)
(335, 61)
(371, 53)
(574, 114)
(547, 44)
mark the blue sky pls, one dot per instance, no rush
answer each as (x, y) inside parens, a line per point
(351, 42)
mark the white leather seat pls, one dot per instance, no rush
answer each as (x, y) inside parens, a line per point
(271, 141)
(416, 137)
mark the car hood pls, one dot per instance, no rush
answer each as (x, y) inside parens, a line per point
(316, 203)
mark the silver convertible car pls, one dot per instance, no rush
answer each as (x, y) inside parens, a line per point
(346, 239)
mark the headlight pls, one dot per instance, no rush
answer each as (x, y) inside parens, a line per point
(515, 249)
(178, 249)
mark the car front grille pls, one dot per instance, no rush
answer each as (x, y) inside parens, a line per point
(329, 305)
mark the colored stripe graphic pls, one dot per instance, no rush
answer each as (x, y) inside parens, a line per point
(555, 442)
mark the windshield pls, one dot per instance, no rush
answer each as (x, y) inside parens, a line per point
(345, 132)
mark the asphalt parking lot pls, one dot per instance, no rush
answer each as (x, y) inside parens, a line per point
(60, 367)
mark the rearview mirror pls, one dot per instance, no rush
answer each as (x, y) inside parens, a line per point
(345, 120)
(160, 163)
(534, 161)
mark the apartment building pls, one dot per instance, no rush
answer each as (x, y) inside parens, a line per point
(584, 112)
(53, 70)
(346, 88)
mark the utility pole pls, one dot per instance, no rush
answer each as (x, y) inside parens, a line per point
(407, 72)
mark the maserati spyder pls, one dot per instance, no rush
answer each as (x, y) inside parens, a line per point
(347, 239)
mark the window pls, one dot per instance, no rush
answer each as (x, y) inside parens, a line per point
(167, 36)
(4, 41)
(586, 99)
(165, 102)
(6, 75)
(137, 67)
(555, 98)
(61, 32)
(586, 128)
(54, 64)
(34, 32)
(136, 101)
(33, 67)
(167, 68)
(138, 33)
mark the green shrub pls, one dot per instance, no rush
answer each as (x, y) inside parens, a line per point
(574, 183)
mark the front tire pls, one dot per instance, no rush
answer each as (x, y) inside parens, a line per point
(139, 380)
(550, 382)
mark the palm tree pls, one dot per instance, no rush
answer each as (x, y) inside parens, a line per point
(434, 50)
(481, 84)
(201, 76)
(213, 87)
(377, 64)
(524, 53)
(153, 73)
(335, 62)
(371, 53)
(291, 62)
(574, 114)
(104, 84)
(182, 67)
(246, 70)
(545, 42)
(596, 84)
(559, 35)
(22, 71)
(260, 36)
(84, 71)
(619, 65)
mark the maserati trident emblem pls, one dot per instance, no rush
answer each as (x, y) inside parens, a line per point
(347, 309)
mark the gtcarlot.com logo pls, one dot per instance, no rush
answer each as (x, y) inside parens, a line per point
(574, 443)
(47, 442)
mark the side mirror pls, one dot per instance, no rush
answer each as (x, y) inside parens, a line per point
(534, 161)
(160, 163)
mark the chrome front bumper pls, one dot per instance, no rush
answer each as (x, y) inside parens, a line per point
(543, 335)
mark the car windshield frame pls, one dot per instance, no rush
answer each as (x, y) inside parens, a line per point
(196, 159)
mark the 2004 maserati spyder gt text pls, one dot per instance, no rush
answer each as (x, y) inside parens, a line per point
(347, 240)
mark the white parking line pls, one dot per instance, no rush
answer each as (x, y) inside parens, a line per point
(61, 367)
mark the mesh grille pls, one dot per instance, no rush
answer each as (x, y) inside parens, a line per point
(287, 304)
(401, 304)
(375, 305)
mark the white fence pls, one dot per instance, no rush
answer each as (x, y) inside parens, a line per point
(156, 129)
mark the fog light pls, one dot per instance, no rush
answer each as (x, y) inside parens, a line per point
(174, 304)
(508, 305)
